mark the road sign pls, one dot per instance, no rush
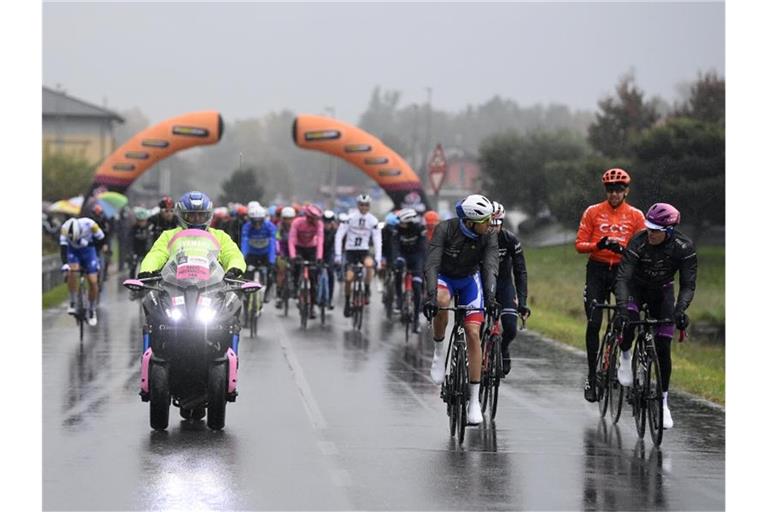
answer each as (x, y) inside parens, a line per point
(437, 167)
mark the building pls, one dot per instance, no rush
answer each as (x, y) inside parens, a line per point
(76, 127)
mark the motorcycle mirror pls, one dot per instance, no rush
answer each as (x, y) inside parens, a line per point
(250, 287)
(133, 284)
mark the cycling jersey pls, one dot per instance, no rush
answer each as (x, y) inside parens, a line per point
(453, 254)
(306, 234)
(259, 241)
(601, 220)
(409, 239)
(140, 237)
(360, 230)
(83, 250)
(654, 266)
(159, 224)
(229, 254)
(512, 262)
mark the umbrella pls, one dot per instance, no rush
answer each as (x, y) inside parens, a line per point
(69, 206)
(115, 199)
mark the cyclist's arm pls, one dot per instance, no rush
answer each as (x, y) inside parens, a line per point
(687, 279)
(339, 237)
(244, 237)
(624, 274)
(320, 240)
(272, 249)
(584, 243)
(521, 274)
(434, 257)
(292, 238)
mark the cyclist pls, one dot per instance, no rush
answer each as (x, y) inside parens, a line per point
(164, 219)
(258, 242)
(460, 251)
(646, 276)
(97, 214)
(361, 229)
(409, 246)
(604, 231)
(431, 220)
(305, 243)
(235, 226)
(140, 236)
(79, 241)
(220, 217)
(388, 233)
(194, 210)
(287, 215)
(329, 235)
(511, 294)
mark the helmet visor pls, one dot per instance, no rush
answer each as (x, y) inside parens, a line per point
(197, 218)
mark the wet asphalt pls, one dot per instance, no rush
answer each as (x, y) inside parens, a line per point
(333, 419)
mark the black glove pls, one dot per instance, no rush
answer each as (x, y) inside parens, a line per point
(233, 273)
(602, 243)
(621, 318)
(614, 246)
(524, 311)
(493, 309)
(145, 275)
(681, 321)
(430, 309)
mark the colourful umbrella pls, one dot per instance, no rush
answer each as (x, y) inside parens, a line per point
(69, 206)
(115, 199)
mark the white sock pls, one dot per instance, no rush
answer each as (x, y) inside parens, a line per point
(474, 391)
(664, 396)
(439, 347)
(72, 297)
(625, 354)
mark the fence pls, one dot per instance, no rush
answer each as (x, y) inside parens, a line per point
(52, 275)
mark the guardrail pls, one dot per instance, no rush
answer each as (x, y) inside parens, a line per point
(52, 275)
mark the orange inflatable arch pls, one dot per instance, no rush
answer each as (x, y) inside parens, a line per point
(364, 151)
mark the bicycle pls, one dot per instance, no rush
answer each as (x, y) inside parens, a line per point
(80, 310)
(610, 393)
(323, 297)
(304, 292)
(492, 368)
(389, 292)
(406, 314)
(254, 301)
(284, 290)
(455, 388)
(357, 300)
(645, 394)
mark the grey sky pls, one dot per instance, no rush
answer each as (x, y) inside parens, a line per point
(249, 59)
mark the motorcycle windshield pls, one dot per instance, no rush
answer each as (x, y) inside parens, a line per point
(193, 260)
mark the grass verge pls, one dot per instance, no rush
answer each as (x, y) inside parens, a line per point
(55, 296)
(555, 285)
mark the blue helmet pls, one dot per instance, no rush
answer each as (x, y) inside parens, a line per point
(194, 210)
(391, 219)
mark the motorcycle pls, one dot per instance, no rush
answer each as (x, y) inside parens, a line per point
(191, 332)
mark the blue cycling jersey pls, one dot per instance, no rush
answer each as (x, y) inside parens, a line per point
(259, 241)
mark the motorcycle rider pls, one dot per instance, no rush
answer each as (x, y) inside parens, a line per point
(194, 210)
(80, 240)
(463, 259)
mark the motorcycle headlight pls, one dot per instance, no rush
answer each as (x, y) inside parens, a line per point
(175, 314)
(205, 314)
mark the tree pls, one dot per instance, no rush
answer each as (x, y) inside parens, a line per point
(65, 175)
(514, 166)
(707, 99)
(621, 119)
(242, 186)
(682, 162)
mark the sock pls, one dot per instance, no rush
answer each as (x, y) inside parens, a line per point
(72, 298)
(474, 391)
(625, 354)
(664, 396)
(439, 346)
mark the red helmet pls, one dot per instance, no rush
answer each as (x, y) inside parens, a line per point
(242, 210)
(312, 211)
(616, 175)
(97, 209)
(431, 217)
(166, 203)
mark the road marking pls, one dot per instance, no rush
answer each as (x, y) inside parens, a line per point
(307, 398)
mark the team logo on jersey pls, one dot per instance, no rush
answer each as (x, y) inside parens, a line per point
(622, 229)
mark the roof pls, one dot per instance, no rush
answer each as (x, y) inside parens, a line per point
(58, 103)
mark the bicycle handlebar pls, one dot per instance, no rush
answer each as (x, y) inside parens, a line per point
(663, 321)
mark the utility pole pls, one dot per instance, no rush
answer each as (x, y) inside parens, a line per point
(428, 140)
(332, 165)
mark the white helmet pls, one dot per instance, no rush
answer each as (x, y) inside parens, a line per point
(253, 204)
(363, 199)
(71, 229)
(474, 207)
(256, 211)
(343, 217)
(408, 215)
(328, 215)
(498, 214)
(288, 213)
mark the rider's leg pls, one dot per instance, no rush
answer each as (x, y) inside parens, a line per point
(368, 262)
(439, 323)
(398, 277)
(596, 289)
(93, 289)
(472, 296)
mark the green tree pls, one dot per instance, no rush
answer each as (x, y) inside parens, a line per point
(65, 175)
(514, 166)
(682, 162)
(243, 186)
(621, 119)
(707, 99)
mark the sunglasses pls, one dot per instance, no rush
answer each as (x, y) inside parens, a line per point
(615, 188)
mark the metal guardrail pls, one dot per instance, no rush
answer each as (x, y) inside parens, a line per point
(52, 275)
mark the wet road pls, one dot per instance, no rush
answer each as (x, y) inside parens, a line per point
(330, 419)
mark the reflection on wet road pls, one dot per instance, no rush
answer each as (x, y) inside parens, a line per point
(334, 419)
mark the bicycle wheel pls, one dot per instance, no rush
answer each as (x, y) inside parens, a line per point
(461, 391)
(303, 304)
(615, 390)
(485, 374)
(602, 373)
(496, 375)
(286, 295)
(452, 390)
(638, 390)
(407, 299)
(654, 401)
(80, 316)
